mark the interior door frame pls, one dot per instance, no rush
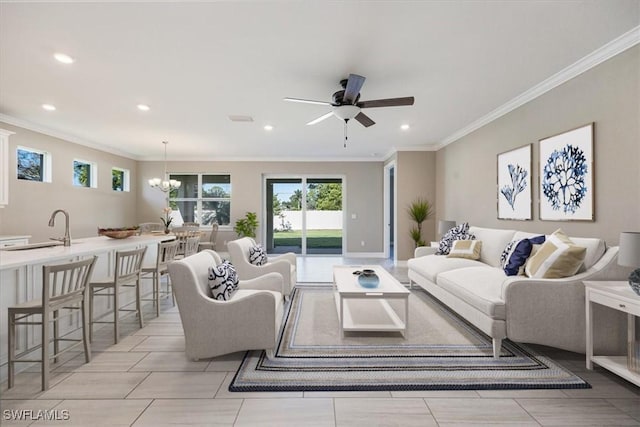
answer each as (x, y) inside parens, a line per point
(304, 178)
(387, 208)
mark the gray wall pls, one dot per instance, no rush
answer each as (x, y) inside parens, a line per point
(31, 203)
(415, 178)
(364, 188)
(608, 95)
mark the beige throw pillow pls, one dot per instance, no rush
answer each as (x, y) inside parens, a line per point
(469, 249)
(557, 257)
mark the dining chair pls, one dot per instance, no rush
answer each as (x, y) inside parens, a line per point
(211, 243)
(64, 286)
(166, 254)
(128, 266)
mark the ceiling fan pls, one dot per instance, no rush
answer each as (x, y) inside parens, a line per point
(346, 103)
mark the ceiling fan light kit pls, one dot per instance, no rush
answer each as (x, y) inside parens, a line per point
(346, 104)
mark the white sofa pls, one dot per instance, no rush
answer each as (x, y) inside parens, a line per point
(541, 311)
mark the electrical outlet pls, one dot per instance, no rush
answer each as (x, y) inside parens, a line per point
(362, 243)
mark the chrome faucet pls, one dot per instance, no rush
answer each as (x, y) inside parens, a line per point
(66, 239)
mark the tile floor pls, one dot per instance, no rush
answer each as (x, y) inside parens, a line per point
(146, 380)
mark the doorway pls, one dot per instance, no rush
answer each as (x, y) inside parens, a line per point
(304, 215)
(390, 211)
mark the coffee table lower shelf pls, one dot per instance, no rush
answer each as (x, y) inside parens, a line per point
(367, 315)
(617, 365)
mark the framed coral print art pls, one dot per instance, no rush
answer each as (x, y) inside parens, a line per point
(514, 184)
(566, 176)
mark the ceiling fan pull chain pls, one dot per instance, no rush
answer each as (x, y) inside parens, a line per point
(345, 134)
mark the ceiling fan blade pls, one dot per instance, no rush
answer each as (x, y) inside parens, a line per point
(307, 101)
(389, 102)
(364, 120)
(321, 118)
(354, 84)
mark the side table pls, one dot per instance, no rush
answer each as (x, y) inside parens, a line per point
(618, 296)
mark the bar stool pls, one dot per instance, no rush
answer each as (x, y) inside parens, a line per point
(166, 253)
(63, 287)
(189, 246)
(127, 271)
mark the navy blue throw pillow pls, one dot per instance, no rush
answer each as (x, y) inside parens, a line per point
(516, 253)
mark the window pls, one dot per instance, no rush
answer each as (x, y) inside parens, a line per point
(33, 165)
(202, 198)
(84, 174)
(119, 179)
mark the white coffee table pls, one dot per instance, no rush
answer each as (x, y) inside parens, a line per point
(365, 309)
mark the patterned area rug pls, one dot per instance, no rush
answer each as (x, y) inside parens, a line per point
(440, 352)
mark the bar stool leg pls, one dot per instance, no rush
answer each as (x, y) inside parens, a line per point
(85, 331)
(91, 295)
(116, 313)
(12, 348)
(138, 304)
(156, 290)
(45, 350)
(56, 344)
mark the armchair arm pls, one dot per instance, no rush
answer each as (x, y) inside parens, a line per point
(424, 251)
(281, 266)
(289, 256)
(268, 282)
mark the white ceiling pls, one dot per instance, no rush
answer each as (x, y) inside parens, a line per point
(196, 63)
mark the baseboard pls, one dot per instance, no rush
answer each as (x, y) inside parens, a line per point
(364, 254)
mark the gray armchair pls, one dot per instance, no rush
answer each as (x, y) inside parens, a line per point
(250, 320)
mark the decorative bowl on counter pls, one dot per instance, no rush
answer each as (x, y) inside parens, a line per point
(119, 233)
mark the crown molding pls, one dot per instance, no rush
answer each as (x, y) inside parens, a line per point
(25, 124)
(268, 159)
(598, 56)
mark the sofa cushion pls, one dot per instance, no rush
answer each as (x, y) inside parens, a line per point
(469, 249)
(494, 241)
(480, 287)
(516, 253)
(459, 232)
(595, 249)
(431, 265)
(558, 257)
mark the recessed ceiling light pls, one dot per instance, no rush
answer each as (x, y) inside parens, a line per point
(64, 58)
(49, 107)
(405, 127)
(268, 127)
(143, 107)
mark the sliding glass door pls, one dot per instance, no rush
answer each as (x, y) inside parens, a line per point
(304, 215)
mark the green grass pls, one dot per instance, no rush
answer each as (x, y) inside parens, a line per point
(315, 238)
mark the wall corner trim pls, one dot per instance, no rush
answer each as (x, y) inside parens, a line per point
(598, 56)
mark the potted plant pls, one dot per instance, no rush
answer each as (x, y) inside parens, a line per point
(419, 210)
(166, 219)
(246, 227)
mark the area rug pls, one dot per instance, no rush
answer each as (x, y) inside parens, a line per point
(441, 351)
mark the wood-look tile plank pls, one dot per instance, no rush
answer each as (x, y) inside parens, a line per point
(95, 385)
(286, 412)
(479, 411)
(113, 412)
(387, 412)
(179, 385)
(576, 412)
(192, 412)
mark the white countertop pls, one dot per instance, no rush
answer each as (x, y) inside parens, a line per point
(79, 247)
(16, 237)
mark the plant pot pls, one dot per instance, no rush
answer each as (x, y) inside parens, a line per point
(167, 231)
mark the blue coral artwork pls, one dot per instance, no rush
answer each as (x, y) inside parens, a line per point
(514, 184)
(566, 176)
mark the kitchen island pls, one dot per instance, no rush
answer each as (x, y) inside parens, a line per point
(21, 280)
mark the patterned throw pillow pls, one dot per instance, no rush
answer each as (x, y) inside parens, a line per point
(516, 253)
(223, 281)
(257, 255)
(469, 249)
(459, 232)
(558, 257)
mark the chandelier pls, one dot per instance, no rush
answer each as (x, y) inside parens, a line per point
(165, 185)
